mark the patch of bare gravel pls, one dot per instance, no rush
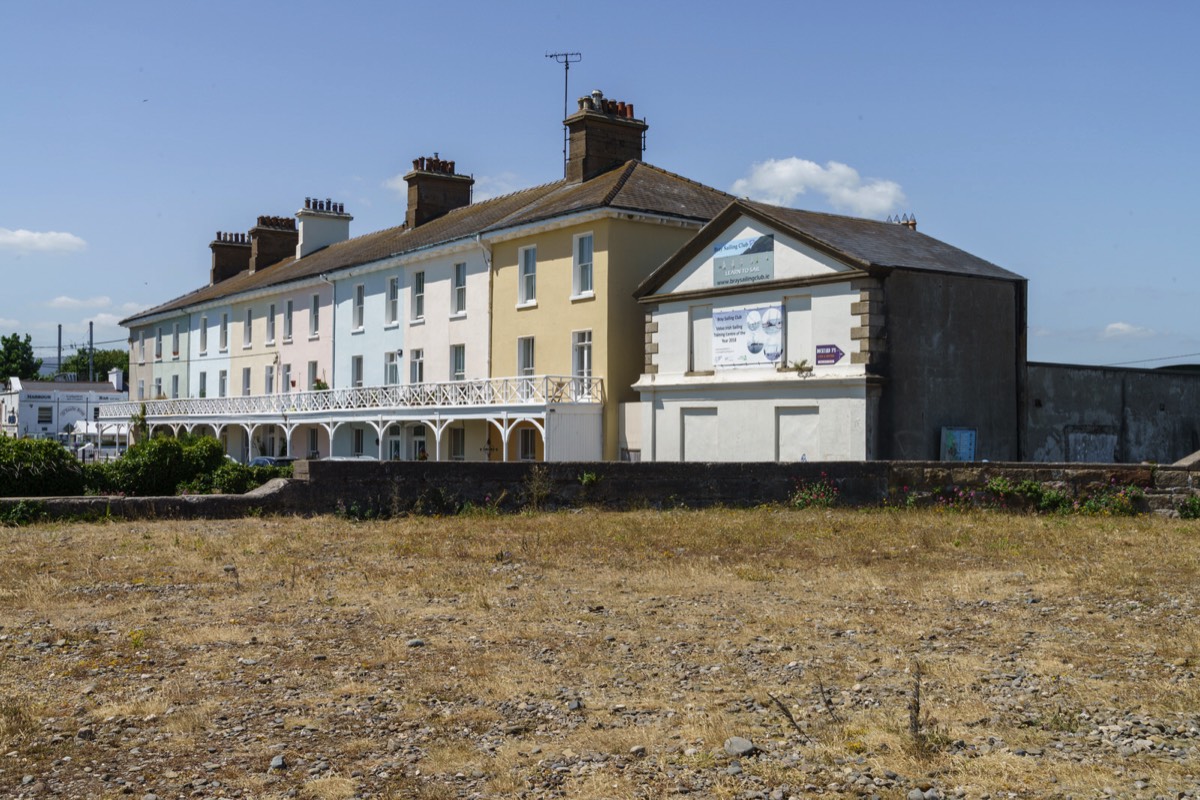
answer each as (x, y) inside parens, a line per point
(718, 654)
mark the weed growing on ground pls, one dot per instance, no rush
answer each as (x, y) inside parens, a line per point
(819, 493)
(1190, 507)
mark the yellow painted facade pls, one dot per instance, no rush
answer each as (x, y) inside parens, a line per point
(625, 251)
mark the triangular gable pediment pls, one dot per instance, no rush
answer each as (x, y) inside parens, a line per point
(747, 252)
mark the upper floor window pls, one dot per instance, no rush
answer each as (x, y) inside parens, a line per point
(458, 300)
(203, 335)
(581, 344)
(525, 355)
(314, 316)
(360, 296)
(141, 348)
(175, 341)
(391, 368)
(582, 274)
(158, 344)
(287, 321)
(458, 362)
(245, 380)
(224, 333)
(356, 370)
(392, 314)
(248, 329)
(271, 324)
(416, 366)
(527, 282)
(418, 296)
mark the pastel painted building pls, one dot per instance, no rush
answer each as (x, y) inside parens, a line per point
(503, 329)
(785, 335)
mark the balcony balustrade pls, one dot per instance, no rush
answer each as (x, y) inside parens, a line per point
(516, 393)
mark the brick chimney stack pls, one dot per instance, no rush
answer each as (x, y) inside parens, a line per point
(230, 255)
(271, 240)
(604, 134)
(322, 223)
(434, 190)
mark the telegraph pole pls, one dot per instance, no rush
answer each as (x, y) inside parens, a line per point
(566, 59)
(91, 355)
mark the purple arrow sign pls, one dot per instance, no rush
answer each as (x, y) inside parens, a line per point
(828, 354)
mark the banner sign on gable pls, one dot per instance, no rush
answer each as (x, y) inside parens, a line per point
(744, 261)
(747, 337)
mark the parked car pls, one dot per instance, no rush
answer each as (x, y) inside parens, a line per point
(271, 461)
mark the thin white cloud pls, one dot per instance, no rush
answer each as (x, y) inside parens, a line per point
(24, 241)
(489, 186)
(1124, 330)
(9, 324)
(62, 301)
(781, 181)
(397, 184)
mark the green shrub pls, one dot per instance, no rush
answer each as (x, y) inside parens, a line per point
(1190, 507)
(1124, 501)
(38, 468)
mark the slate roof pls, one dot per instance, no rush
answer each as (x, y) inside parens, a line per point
(866, 243)
(635, 186)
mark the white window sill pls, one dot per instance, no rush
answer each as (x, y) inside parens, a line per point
(287, 340)
(312, 337)
(387, 326)
(416, 321)
(527, 304)
(269, 343)
(459, 315)
(575, 298)
(356, 331)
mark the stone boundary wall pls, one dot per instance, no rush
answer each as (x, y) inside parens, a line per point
(362, 488)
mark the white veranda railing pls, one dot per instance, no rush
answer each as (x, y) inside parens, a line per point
(532, 390)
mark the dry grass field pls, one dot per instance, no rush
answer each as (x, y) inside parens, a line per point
(602, 655)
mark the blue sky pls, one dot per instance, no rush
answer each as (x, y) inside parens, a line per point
(1056, 139)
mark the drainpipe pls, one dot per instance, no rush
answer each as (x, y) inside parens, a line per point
(332, 335)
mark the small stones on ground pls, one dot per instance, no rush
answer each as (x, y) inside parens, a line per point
(278, 762)
(739, 747)
(638, 750)
(415, 643)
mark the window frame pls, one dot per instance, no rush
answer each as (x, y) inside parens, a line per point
(416, 365)
(224, 338)
(314, 317)
(203, 347)
(418, 296)
(246, 379)
(391, 368)
(526, 356)
(356, 371)
(358, 314)
(248, 329)
(175, 341)
(578, 291)
(458, 290)
(158, 342)
(271, 324)
(392, 304)
(223, 383)
(288, 309)
(527, 276)
(458, 362)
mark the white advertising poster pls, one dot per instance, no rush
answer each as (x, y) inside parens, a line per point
(747, 337)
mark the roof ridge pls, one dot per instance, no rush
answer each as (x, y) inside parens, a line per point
(626, 171)
(686, 179)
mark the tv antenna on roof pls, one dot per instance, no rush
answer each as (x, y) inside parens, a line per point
(566, 59)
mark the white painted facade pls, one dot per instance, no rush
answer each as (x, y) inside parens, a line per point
(43, 409)
(737, 375)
